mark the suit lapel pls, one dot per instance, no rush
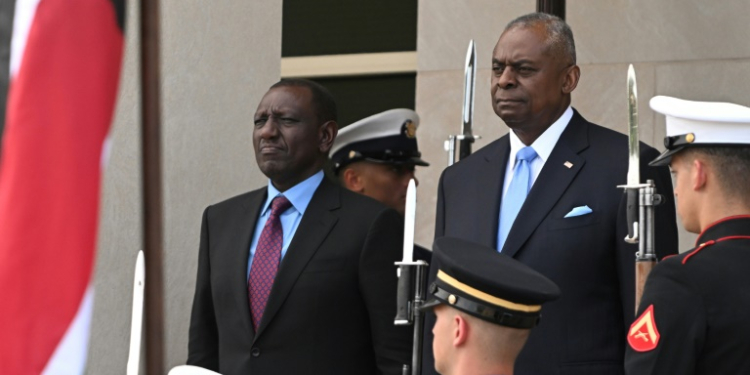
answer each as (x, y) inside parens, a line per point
(314, 227)
(489, 187)
(552, 182)
(250, 211)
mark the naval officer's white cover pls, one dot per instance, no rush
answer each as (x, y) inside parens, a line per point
(709, 122)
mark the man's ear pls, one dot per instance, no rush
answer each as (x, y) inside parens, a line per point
(327, 135)
(698, 174)
(461, 330)
(570, 80)
(352, 180)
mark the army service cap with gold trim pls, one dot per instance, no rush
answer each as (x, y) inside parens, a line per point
(389, 137)
(700, 124)
(488, 285)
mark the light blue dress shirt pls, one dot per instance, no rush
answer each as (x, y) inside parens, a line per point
(299, 195)
(542, 145)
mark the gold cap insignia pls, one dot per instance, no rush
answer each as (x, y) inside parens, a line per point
(690, 138)
(352, 154)
(410, 129)
(452, 299)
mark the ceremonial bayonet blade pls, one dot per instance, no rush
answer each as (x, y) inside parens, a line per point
(410, 216)
(404, 311)
(470, 77)
(634, 176)
(467, 137)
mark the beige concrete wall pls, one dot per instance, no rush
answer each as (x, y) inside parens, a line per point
(690, 49)
(218, 58)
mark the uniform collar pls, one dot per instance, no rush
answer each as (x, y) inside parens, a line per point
(728, 226)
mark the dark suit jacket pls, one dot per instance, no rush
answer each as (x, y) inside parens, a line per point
(332, 304)
(584, 331)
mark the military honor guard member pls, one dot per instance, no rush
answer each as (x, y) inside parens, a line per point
(297, 277)
(546, 194)
(486, 304)
(693, 318)
(376, 156)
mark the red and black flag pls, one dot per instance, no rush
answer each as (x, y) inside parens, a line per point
(65, 58)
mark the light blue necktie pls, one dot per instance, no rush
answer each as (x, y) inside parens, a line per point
(517, 191)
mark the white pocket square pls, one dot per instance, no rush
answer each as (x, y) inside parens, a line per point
(578, 211)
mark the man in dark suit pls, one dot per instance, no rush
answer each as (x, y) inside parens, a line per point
(546, 194)
(297, 277)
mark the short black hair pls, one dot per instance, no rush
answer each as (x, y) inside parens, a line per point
(323, 100)
(559, 35)
(732, 166)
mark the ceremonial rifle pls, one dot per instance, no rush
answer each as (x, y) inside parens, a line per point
(411, 278)
(641, 199)
(466, 138)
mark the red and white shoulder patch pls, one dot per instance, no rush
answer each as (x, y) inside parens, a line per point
(643, 335)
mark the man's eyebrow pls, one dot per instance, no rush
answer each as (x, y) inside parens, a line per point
(524, 61)
(512, 63)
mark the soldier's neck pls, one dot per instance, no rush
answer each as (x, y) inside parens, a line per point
(720, 210)
(483, 366)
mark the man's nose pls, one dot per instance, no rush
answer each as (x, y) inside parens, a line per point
(268, 129)
(507, 79)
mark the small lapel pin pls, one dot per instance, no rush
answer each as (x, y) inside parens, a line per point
(568, 164)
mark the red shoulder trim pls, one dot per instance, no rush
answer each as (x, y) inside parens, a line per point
(709, 243)
(669, 256)
(720, 221)
(700, 247)
(733, 238)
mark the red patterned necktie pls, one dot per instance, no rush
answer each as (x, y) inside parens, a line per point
(266, 260)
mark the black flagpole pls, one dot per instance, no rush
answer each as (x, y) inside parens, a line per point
(152, 185)
(554, 7)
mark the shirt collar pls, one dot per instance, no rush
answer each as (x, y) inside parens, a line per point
(546, 142)
(299, 195)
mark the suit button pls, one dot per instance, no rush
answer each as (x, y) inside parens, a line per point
(255, 352)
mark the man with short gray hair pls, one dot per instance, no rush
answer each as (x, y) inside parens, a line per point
(546, 194)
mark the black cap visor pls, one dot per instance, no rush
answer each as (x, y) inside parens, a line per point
(386, 157)
(430, 304)
(665, 158)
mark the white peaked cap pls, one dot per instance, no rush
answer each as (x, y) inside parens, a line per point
(693, 123)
